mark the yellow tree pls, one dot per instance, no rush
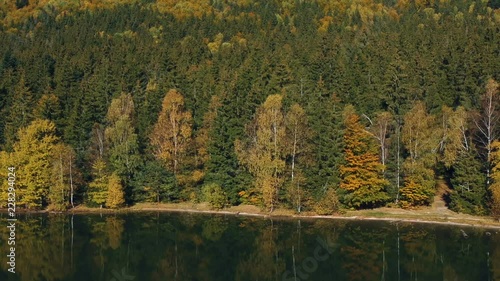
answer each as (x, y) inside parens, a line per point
(98, 188)
(264, 155)
(172, 132)
(33, 155)
(115, 196)
(422, 143)
(495, 185)
(361, 175)
(4, 175)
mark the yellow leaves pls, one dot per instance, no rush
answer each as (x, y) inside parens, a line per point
(172, 132)
(121, 107)
(33, 154)
(215, 45)
(183, 9)
(115, 196)
(98, 188)
(324, 23)
(264, 153)
(361, 174)
(495, 186)
(453, 131)
(114, 227)
(413, 194)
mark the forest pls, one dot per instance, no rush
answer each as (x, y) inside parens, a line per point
(308, 105)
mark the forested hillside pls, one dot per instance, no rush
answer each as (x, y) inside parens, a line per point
(309, 105)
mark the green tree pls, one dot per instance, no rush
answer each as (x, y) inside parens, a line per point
(19, 112)
(469, 184)
(362, 174)
(324, 113)
(214, 195)
(121, 138)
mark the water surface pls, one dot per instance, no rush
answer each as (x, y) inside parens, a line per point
(171, 246)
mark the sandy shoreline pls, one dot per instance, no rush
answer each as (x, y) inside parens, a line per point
(425, 216)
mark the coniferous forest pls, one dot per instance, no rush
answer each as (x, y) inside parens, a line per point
(298, 104)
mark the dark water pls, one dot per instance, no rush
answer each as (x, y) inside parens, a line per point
(166, 246)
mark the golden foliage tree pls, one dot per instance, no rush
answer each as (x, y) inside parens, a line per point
(495, 185)
(361, 175)
(33, 155)
(453, 131)
(172, 132)
(98, 188)
(264, 155)
(116, 195)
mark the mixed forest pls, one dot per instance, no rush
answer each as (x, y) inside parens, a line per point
(299, 104)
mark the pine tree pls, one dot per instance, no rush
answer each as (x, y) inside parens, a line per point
(98, 188)
(469, 184)
(325, 120)
(361, 175)
(19, 112)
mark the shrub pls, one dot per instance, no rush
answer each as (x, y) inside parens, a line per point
(328, 204)
(214, 195)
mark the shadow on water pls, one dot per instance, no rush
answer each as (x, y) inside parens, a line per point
(153, 246)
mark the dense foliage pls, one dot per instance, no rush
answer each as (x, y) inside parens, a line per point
(170, 96)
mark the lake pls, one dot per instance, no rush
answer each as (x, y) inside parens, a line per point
(183, 246)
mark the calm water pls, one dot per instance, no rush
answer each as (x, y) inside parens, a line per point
(151, 246)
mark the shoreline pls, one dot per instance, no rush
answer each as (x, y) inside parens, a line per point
(419, 216)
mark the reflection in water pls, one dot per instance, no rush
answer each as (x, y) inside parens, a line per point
(226, 248)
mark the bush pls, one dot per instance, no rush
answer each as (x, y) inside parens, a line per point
(328, 204)
(214, 195)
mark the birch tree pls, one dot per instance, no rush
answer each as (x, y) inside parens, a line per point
(297, 139)
(120, 136)
(172, 132)
(487, 123)
(263, 155)
(422, 143)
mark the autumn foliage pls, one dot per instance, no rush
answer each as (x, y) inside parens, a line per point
(361, 175)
